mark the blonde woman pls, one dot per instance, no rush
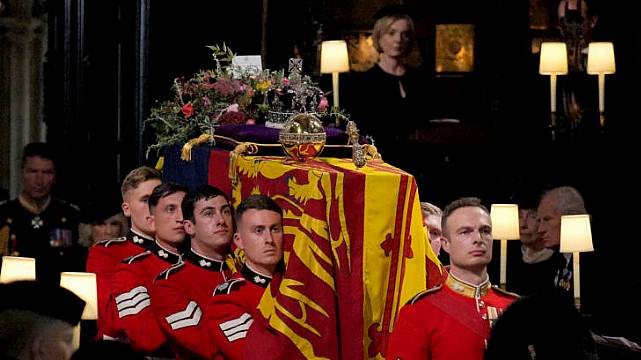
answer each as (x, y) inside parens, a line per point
(391, 96)
(102, 220)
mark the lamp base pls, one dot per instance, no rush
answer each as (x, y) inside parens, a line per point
(553, 125)
(602, 120)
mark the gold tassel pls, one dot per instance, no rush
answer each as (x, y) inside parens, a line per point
(160, 164)
(231, 173)
(239, 150)
(186, 151)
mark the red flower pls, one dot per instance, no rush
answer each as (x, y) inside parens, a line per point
(187, 110)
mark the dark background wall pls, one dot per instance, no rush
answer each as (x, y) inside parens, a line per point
(108, 61)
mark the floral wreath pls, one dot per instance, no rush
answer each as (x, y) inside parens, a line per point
(231, 94)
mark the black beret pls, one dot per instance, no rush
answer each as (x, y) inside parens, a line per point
(43, 299)
(102, 205)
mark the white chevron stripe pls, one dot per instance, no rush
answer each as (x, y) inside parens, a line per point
(237, 328)
(235, 322)
(132, 302)
(183, 314)
(238, 332)
(134, 310)
(130, 294)
(193, 321)
(239, 335)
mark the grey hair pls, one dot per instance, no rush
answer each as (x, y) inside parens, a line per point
(568, 200)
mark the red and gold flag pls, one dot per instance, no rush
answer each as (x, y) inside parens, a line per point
(355, 250)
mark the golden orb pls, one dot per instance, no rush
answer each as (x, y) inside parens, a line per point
(303, 136)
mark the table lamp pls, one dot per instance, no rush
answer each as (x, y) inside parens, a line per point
(83, 285)
(554, 61)
(505, 226)
(16, 268)
(576, 237)
(601, 62)
(334, 60)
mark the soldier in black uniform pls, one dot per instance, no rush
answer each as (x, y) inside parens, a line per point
(37, 225)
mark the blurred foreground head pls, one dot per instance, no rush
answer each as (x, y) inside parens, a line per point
(37, 321)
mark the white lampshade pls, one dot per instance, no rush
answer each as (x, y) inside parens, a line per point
(83, 285)
(554, 59)
(17, 268)
(505, 221)
(601, 58)
(576, 234)
(334, 57)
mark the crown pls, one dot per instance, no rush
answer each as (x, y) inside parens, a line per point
(296, 94)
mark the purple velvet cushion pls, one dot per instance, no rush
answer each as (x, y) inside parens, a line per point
(265, 135)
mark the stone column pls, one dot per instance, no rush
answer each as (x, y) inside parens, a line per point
(22, 48)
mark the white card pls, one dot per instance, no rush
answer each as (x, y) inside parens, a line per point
(250, 63)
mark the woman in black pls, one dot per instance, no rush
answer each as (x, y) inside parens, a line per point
(389, 96)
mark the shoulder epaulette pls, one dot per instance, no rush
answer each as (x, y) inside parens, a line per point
(170, 271)
(135, 258)
(424, 293)
(108, 242)
(505, 292)
(227, 287)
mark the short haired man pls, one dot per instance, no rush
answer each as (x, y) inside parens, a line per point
(37, 320)
(130, 301)
(232, 309)
(453, 321)
(37, 225)
(179, 293)
(432, 221)
(105, 256)
(559, 201)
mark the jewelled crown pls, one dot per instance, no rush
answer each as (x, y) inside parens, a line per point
(297, 94)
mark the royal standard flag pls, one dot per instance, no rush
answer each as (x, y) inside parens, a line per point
(355, 252)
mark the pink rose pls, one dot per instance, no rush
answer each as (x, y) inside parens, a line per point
(323, 104)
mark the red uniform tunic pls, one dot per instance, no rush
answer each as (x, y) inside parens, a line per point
(449, 322)
(179, 294)
(231, 311)
(103, 259)
(130, 300)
